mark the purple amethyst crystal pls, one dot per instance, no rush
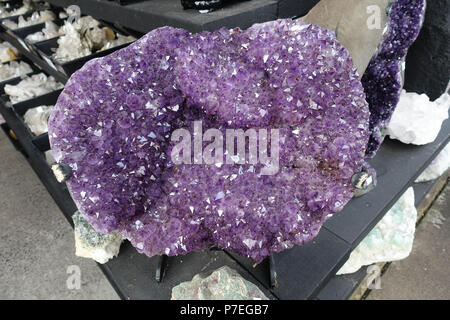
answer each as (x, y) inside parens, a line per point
(382, 80)
(114, 120)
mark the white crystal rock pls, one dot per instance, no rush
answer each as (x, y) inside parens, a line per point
(51, 30)
(26, 7)
(85, 36)
(121, 39)
(35, 18)
(437, 167)
(37, 118)
(14, 69)
(223, 284)
(91, 244)
(7, 52)
(30, 87)
(72, 44)
(390, 240)
(416, 119)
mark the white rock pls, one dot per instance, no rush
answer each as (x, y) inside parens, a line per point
(91, 244)
(223, 284)
(390, 240)
(26, 7)
(437, 167)
(99, 254)
(416, 119)
(7, 52)
(37, 118)
(121, 39)
(51, 30)
(35, 18)
(14, 69)
(85, 36)
(30, 87)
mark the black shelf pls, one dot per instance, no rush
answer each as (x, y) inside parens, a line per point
(147, 15)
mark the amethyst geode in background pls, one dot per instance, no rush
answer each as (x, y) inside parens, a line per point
(113, 122)
(382, 80)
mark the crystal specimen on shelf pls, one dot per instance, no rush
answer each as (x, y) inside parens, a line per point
(416, 119)
(72, 44)
(112, 125)
(437, 167)
(51, 30)
(27, 6)
(223, 284)
(120, 40)
(36, 119)
(390, 240)
(14, 69)
(7, 52)
(358, 25)
(32, 86)
(382, 80)
(91, 244)
(35, 18)
(84, 37)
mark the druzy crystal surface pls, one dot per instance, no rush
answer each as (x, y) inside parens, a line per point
(382, 80)
(113, 122)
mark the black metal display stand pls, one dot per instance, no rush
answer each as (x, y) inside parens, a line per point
(303, 272)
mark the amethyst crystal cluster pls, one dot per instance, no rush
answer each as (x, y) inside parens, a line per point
(113, 122)
(382, 80)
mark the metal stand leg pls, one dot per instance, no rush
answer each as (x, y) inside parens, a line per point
(161, 268)
(273, 272)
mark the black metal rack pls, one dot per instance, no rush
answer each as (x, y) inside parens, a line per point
(303, 272)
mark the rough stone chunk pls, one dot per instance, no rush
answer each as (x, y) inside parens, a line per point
(416, 119)
(390, 240)
(91, 244)
(437, 167)
(223, 284)
(37, 119)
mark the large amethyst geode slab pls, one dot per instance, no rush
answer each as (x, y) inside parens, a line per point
(113, 123)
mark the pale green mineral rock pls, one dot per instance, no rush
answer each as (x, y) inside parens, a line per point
(390, 240)
(223, 284)
(91, 244)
